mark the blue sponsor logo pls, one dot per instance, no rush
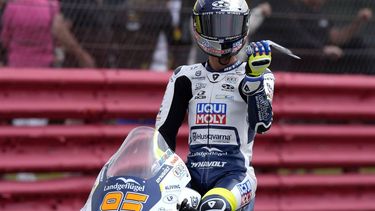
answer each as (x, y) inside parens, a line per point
(211, 108)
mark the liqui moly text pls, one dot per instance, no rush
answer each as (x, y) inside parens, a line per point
(211, 113)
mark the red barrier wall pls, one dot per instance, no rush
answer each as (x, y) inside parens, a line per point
(320, 121)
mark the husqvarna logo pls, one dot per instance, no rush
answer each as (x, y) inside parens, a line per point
(221, 4)
(211, 113)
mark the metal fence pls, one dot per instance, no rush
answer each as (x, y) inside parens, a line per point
(156, 34)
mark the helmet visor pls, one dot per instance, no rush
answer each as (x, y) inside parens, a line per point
(229, 26)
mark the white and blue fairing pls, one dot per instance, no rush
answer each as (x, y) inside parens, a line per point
(144, 174)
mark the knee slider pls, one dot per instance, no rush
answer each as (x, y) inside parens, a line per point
(218, 199)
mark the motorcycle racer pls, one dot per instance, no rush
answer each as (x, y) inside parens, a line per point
(228, 102)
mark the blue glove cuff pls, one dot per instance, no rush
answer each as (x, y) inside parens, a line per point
(253, 85)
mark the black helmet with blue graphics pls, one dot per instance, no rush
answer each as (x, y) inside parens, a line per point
(220, 27)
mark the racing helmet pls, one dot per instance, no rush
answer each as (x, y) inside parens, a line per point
(220, 27)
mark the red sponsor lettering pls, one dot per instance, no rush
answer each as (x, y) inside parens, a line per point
(220, 119)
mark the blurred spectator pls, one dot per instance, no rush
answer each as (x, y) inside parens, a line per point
(161, 59)
(91, 21)
(119, 33)
(181, 40)
(323, 46)
(29, 30)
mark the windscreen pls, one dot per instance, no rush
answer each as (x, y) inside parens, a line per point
(139, 154)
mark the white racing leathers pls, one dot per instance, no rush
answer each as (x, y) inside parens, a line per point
(222, 120)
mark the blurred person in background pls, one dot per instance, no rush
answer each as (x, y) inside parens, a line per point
(121, 33)
(333, 42)
(323, 46)
(167, 52)
(91, 21)
(30, 31)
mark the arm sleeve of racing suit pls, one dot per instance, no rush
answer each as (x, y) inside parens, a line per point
(174, 106)
(259, 101)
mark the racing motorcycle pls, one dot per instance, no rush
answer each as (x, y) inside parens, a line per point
(144, 174)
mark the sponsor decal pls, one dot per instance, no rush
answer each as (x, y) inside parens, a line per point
(227, 87)
(213, 149)
(174, 160)
(164, 157)
(214, 204)
(250, 87)
(194, 201)
(163, 173)
(128, 184)
(199, 78)
(210, 152)
(214, 138)
(199, 86)
(206, 46)
(231, 79)
(172, 187)
(208, 164)
(237, 44)
(200, 95)
(198, 75)
(179, 171)
(211, 113)
(263, 108)
(215, 76)
(170, 199)
(113, 200)
(216, 135)
(245, 191)
(224, 97)
(246, 89)
(220, 5)
(215, 51)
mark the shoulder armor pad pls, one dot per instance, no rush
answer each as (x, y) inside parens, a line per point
(177, 70)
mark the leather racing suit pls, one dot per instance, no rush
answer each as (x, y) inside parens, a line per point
(223, 121)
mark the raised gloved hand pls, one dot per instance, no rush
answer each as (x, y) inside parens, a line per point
(259, 58)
